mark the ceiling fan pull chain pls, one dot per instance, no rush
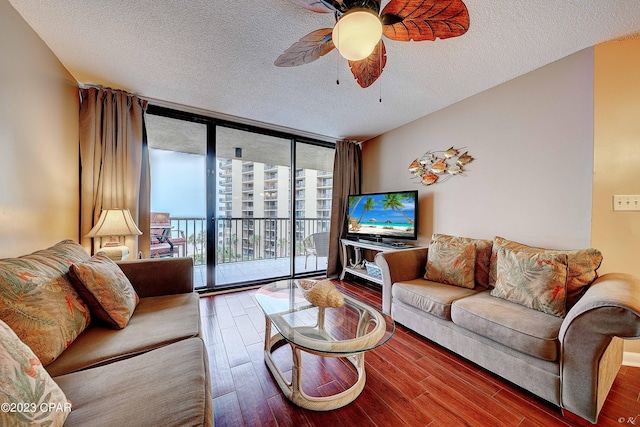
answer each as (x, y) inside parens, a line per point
(380, 75)
(338, 57)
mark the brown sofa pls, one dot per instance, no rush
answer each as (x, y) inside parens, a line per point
(570, 362)
(154, 371)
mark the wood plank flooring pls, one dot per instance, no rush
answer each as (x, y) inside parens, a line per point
(410, 381)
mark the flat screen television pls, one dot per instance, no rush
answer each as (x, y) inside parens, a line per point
(376, 216)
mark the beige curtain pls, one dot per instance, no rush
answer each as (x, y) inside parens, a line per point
(346, 180)
(114, 162)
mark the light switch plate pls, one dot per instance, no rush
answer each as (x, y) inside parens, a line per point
(626, 203)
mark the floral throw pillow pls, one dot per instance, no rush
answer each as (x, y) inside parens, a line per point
(106, 290)
(452, 263)
(535, 280)
(38, 301)
(28, 395)
(582, 265)
(483, 255)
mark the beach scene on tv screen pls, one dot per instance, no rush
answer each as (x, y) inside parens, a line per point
(389, 214)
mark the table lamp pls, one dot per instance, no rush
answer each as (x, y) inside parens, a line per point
(114, 223)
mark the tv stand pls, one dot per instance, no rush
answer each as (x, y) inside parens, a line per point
(354, 262)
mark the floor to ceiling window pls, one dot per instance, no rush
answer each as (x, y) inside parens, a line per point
(248, 205)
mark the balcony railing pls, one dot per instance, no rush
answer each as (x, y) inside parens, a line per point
(270, 237)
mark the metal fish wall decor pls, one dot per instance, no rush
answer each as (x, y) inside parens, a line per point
(438, 166)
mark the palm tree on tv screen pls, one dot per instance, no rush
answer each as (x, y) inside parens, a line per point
(394, 201)
(369, 204)
(353, 204)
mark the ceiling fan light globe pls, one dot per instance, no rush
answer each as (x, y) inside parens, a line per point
(356, 34)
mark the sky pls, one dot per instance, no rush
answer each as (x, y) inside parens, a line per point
(178, 183)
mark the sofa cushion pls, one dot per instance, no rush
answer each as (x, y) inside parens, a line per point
(451, 262)
(38, 301)
(432, 297)
(164, 387)
(483, 255)
(535, 280)
(106, 290)
(582, 266)
(157, 321)
(23, 381)
(60, 256)
(513, 325)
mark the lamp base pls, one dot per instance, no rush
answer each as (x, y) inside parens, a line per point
(115, 253)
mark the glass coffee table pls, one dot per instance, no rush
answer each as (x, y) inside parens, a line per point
(348, 332)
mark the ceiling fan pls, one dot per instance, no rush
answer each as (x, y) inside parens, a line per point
(360, 26)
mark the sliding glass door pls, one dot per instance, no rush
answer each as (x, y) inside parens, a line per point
(253, 218)
(312, 188)
(178, 158)
(250, 206)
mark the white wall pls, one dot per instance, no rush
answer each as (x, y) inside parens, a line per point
(531, 180)
(39, 184)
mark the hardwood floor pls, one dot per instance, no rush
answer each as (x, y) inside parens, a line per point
(410, 381)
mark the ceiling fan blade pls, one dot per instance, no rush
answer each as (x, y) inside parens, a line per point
(367, 70)
(419, 20)
(309, 48)
(320, 6)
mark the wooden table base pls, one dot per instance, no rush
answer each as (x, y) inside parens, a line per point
(293, 390)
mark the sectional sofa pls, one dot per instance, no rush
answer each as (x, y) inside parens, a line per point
(88, 342)
(539, 318)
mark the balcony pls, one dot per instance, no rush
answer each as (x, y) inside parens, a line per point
(246, 260)
(325, 183)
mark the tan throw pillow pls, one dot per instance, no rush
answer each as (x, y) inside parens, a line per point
(452, 263)
(535, 280)
(483, 255)
(28, 395)
(106, 290)
(582, 266)
(38, 301)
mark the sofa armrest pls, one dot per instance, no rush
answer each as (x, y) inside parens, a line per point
(590, 354)
(159, 276)
(399, 266)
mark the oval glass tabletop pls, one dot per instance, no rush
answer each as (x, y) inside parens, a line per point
(352, 328)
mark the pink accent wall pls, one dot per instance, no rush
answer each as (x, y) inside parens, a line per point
(39, 184)
(617, 157)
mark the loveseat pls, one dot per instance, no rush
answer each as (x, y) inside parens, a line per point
(86, 354)
(541, 319)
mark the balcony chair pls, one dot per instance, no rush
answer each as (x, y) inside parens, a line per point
(317, 245)
(163, 239)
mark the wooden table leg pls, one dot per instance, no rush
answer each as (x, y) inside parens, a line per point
(293, 390)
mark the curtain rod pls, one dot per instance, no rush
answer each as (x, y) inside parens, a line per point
(220, 116)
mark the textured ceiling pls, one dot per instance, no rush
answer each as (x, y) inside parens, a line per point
(218, 56)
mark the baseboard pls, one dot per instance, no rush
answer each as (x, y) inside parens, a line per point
(631, 359)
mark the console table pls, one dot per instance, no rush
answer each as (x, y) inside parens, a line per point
(355, 265)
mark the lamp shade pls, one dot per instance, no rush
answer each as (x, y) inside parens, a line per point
(114, 222)
(357, 33)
